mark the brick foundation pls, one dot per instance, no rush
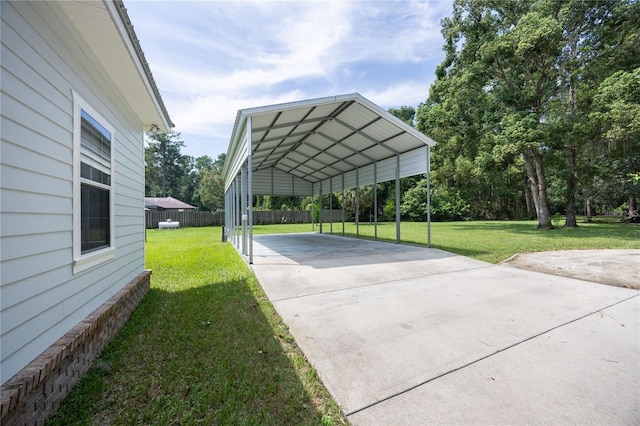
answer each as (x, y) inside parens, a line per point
(36, 391)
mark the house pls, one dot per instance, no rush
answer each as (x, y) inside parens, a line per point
(76, 97)
(168, 204)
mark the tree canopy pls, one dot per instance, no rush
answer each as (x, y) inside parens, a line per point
(512, 107)
(169, 173)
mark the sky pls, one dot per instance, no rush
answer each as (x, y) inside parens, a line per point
(212, 58)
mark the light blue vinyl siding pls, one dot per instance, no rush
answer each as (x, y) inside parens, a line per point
(41, 299)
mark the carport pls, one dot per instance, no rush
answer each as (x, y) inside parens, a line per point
(313, 148)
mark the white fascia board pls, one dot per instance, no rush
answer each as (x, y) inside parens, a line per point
(237, 153)
(233, 142)
(165, 123)
(300, 104)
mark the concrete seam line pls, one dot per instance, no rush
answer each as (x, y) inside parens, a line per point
(379, 283)
(485, 357)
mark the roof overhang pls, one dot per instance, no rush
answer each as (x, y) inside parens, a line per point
(317, 139)
(107, 31)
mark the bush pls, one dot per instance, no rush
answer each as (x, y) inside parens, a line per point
(445, 206)
(389, 211)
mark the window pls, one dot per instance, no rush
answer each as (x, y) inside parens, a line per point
(93, 187)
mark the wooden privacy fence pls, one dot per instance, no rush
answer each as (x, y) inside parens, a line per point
(186, 219)
(196, 218)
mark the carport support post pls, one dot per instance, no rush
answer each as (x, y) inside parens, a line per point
(243, 207)
(232, 209)
(250, 188)
(343, 216)
(398, 198)
(375, 201)
(236, 195)
(236, 189)
(331, 206)
(357, 206)
(320, 208)
(313, 207)
(428, 196)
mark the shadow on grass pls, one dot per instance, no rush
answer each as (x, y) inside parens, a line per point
(210, 354)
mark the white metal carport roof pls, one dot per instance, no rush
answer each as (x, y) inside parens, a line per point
(298, 148)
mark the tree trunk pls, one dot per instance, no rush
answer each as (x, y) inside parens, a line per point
(570, 221)
(589, 210)
(633, 206)
(538, 184)
(527, 196)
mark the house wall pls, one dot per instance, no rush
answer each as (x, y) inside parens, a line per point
(41, 299)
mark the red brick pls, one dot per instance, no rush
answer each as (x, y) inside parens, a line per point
(35, 393)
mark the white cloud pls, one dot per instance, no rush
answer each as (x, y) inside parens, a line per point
(212, 58)
(410, 93)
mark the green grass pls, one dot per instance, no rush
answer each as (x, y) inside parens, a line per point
(491, 241)
(204, 347)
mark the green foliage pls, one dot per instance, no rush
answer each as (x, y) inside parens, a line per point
(389, 210)
(273, 202)
(210, 185)
(169, 173)
(445, 206)
(531, 89)
(404, 113)
(166, 168)
(360, 199)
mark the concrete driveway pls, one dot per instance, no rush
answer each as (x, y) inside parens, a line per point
(410, 335)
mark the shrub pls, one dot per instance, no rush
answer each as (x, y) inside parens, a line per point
(445, 205)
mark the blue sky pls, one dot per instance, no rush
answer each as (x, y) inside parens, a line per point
(211, 58)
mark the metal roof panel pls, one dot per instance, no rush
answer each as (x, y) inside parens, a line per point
(320, 138)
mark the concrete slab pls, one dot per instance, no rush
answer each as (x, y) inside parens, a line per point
(312, 259)
(575, 374)
(615, 267)
(403, 334)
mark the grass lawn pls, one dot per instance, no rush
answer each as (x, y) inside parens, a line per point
(491, 241)
(204, 347)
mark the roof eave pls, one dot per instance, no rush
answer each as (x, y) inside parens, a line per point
(133, 46)
(106, 31)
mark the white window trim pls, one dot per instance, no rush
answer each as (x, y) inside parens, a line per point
(83, 262)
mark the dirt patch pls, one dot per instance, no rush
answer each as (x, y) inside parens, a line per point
(612, 267)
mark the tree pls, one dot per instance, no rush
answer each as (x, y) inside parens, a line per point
(404, 113)
(355, 199)
(515, 87)
(211, 187)
(617, 115)
(165, 165)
